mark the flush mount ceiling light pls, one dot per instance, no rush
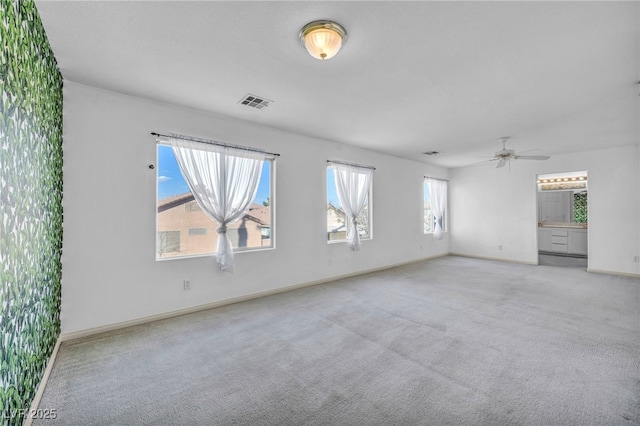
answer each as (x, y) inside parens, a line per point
(323, 39)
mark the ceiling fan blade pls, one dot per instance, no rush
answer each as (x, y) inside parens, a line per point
(501, 163)
(532, 157)
(484, 162)
(530, 150)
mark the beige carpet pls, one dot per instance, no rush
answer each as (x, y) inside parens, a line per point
(447, 341)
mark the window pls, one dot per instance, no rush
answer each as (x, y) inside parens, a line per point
(429, 218)
(183, 229)
(168, 242)
(337, 224)
(266, 232)
(197, 231)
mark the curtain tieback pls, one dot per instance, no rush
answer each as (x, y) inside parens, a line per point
(222, 229)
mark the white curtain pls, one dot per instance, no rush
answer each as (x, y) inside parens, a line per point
(224, 182)
(352, 185)
(438, 200)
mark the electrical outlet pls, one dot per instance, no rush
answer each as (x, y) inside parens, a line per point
(636, 259)
(186, 285)
(329, 262)
(500, 247)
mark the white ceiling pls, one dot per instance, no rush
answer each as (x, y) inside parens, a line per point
(412, 77)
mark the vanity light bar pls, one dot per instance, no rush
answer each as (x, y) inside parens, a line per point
(566, 179)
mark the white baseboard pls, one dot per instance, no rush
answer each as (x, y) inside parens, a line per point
(139, 321)
(621, 274)
(496, 259)
(35, 403)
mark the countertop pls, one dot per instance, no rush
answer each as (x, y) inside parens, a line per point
(563, 225)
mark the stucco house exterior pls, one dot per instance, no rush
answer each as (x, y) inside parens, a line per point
(183, 229)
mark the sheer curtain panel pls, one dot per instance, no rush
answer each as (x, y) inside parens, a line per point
(223, 181)
(438, 200)
(352, 185)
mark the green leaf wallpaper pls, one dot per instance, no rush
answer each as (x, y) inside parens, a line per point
(30, 205)
(580, 207)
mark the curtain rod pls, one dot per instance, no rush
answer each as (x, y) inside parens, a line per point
(429, 177)
(351, 164)
(212, 142)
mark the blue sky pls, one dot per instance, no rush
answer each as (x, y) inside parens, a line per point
(332, 195)
(426, 191)
(171, 182)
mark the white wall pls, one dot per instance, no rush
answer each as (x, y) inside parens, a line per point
(110, 274)
(491, 207)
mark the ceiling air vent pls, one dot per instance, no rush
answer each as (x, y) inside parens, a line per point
(255, 101)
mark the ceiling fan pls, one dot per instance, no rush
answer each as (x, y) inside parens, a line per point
(505, 155)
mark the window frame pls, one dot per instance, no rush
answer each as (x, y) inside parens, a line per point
(236, 250)
(368, 205)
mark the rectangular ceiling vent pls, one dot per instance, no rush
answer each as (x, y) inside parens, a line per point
(255, 101)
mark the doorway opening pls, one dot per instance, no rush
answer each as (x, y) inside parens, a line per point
(563, 224)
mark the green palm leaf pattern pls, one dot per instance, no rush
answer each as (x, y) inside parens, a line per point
(30, 205)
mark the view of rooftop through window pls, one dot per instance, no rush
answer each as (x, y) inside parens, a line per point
(337, 223)
(183, 229)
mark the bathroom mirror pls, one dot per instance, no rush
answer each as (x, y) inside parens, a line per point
(562, 207)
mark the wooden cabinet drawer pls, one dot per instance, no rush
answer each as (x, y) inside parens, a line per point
(559, 232)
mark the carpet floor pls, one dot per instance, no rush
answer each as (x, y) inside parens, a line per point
(449, 341)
